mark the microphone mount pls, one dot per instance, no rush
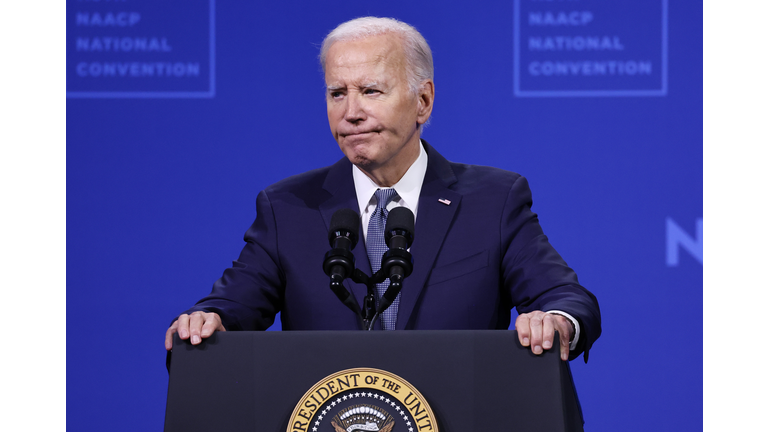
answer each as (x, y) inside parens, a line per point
(396, 263)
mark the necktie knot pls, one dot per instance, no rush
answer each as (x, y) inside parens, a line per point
(383, 198)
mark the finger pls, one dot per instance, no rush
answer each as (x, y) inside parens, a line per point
(565, 346)
(183, 326)
(212, 324)
(564, 328)
(536, 332)
(548, 331)
(195, 327)
(522, 325)
(169, 335)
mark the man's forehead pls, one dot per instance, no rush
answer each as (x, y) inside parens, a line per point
(367, 51)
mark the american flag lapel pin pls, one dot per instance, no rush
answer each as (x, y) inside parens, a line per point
(445, 201)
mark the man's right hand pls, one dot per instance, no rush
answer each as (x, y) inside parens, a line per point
(196, 327)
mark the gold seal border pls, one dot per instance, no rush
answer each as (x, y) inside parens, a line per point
(295, 417)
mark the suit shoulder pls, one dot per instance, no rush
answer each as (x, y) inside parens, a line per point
(480, 176)
(308, 189)
(303, 182)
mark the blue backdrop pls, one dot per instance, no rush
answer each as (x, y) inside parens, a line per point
(179, 113)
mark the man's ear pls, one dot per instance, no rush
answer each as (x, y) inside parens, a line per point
(426, 101)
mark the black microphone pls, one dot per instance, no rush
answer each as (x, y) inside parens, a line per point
(399, 230)
(397, 262)
(339, 262)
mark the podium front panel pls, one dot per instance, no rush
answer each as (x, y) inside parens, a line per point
(472, 380)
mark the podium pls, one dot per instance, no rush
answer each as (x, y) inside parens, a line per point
(472, 380)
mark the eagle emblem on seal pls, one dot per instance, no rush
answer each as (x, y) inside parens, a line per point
(363, 418)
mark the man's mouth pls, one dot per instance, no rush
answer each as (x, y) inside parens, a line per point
(358, 133)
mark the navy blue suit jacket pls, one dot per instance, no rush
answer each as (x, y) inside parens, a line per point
(474, 259)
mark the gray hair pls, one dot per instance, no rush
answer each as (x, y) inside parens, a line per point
(418, 56)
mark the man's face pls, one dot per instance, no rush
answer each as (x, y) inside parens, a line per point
(372, 114)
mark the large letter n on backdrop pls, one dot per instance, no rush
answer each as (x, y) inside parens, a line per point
(677, 238)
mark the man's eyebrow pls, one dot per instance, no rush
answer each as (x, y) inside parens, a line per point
(364, 85)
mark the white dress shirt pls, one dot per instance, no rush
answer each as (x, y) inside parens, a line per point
(408, 189)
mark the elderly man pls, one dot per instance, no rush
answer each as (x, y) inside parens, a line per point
(478, 248)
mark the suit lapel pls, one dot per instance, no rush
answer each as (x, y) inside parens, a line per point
(432, 224)
(341, 187)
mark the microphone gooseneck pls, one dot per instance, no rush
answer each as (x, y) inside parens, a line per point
(396, 263)
(339, 262)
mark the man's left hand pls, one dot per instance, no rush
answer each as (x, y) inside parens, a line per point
(537, 330)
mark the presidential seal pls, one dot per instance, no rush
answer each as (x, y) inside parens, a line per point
(362, 400)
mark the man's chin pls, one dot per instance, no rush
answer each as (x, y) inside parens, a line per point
(359, 154)
(360, 161)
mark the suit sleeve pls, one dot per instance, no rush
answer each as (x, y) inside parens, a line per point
(250, 293)
(535, 276)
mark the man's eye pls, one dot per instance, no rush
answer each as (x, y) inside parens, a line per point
(336, 94)
(371, 91)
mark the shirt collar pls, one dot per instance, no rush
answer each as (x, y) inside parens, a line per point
(408, 187)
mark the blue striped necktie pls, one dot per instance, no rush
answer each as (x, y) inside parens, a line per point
(377, 246)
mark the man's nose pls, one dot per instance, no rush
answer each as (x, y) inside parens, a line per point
(355, 112)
